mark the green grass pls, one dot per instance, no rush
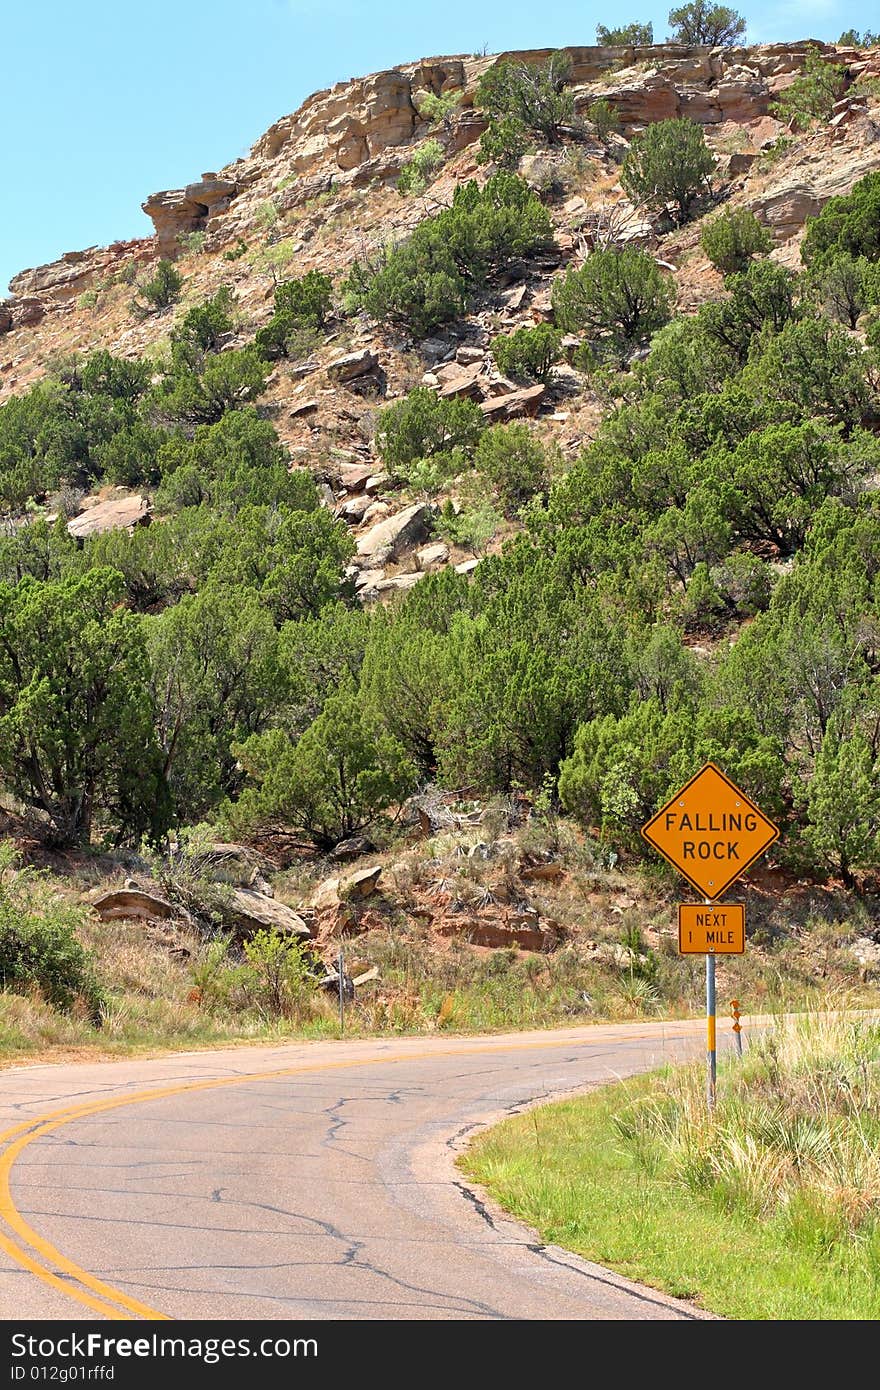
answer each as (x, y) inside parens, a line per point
(769, 1211)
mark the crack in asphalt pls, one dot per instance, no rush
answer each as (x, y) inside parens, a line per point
(338, 1122)
(352, 1256)
(298, 1300)
(477, 1203)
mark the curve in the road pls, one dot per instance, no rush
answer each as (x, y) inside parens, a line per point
(626, 1050)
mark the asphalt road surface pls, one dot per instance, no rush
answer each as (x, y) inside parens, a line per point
(315, 1180)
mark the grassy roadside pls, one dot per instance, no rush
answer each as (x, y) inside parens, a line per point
(769, 1211)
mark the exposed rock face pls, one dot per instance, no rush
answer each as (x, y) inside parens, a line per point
(62, 280)
(356, 132)
(126, 512)
(361, 131)
(707, 86)
(525, 930)
(804, 189)
(786, 209)
(54, 286)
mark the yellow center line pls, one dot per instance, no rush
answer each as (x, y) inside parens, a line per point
(21, 1135)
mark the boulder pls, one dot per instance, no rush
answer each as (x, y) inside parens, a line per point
(303, 408)
(376, 482)
(249, 912)
(388, 538)
(429, 555)
(368, 579)
(326, 895)
(515, 403)
(463, 384)
(353, 365)
(354, 508)
(126, 512)
(469, 356)
(435, 350)
(355, 476)
(361, 884)
(134, 904)
(399, 583)
(353, 848)
(547, 872)
(238, 864)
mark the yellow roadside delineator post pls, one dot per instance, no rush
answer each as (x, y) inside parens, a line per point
(711, 833)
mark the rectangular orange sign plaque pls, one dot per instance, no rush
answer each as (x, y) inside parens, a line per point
(710, 831)
(705, 928)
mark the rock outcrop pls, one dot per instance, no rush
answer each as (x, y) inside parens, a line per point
(804, 187)
(187, 209)
(55, 286)
(360, 132)
(351, 133)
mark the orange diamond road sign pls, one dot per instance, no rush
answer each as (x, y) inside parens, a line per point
(703, 928)
(710, 832)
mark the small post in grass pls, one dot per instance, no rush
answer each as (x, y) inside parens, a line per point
(340, 966)
(737, 1026)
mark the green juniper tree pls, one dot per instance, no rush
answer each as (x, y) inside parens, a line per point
(668, 164)
(700, 22)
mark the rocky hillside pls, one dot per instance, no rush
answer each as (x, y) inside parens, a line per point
(281, 630)
(318, 189)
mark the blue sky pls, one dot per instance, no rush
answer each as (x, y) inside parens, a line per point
(103, 102)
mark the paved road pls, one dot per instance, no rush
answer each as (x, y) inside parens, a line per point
(314, 1181)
